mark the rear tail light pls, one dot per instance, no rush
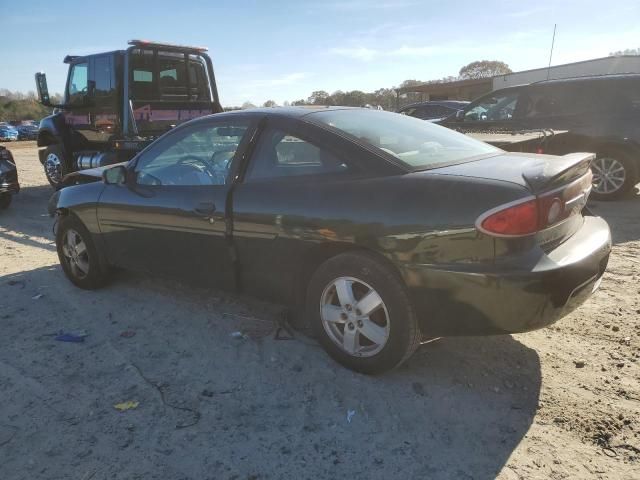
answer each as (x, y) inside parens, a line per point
(532, 214)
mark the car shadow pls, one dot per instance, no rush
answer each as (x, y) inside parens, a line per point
(266, 408)
(27, 221)
(621, 215)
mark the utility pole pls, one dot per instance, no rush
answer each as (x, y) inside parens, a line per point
(553, 41)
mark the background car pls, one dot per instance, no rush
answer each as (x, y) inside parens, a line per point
(382, 228)
(8, 133)
(599, 114)
(27, 131)
(9, 185)
(433, 110)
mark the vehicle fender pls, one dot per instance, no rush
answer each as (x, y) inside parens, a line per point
(81, 201)
(52, 131)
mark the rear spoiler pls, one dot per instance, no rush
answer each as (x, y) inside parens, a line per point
(558, 171)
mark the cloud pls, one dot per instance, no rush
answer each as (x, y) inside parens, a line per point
(367, 54)
(287, 79)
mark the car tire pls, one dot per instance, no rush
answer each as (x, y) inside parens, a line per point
(78, 255)
(370, 325)
(5, 200)
(622, 171)
(55, 165)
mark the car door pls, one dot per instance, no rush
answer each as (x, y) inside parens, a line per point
(104, 114)
(171, 217)
(78, 105)
(278, 208)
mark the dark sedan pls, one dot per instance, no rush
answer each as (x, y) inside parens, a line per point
(381, 228)
(433, 110)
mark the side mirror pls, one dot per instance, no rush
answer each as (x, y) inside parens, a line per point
(43, 90)
(115, 175)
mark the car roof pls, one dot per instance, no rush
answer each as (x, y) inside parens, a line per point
(289, 112)
(442, 103)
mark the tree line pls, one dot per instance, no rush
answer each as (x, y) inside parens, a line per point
(17, 106)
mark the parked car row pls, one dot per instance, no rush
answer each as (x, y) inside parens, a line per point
(22, 131)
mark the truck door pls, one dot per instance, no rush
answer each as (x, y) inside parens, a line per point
(77, 114)
(104, 99)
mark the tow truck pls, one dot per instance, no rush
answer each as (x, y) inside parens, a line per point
(116, 103)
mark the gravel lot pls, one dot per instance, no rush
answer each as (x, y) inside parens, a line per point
(563, 402)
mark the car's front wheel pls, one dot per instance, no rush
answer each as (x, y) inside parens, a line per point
(614, 174)
(78, 255)
(361, 314)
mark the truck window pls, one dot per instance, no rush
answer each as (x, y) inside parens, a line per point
(77, 88)
(102, 74)
(163, 76)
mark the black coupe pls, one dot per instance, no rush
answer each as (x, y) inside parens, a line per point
(383, 229)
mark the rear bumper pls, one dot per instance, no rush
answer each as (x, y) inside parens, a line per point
(511, 299)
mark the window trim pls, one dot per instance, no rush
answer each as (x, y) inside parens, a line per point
(81, 61)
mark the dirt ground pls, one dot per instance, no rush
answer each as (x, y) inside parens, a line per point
(563, 402)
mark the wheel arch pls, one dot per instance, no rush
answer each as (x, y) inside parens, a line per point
(322, 252)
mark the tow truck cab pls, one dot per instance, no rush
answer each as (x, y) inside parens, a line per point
(116, 103)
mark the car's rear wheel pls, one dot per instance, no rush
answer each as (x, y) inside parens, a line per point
(78, 254)
(55, 165)
(5, 200)
(614, 174)
(360, 312)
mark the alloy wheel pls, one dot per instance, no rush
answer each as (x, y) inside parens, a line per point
(53, 168)
(355, 317)
(609, 175)
(76, 253)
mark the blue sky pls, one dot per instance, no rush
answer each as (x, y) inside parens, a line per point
(283, 50)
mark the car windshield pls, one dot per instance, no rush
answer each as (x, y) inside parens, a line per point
(418, 144)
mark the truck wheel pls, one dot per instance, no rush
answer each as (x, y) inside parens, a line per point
(79, 258)
(5, 200)
(614, 174)
(360, 313)
(55, 166)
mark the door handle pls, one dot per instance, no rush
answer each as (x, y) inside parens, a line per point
(205, 208)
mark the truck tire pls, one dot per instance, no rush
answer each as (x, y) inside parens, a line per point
(361, 314)
(615, 173)
(55, 165)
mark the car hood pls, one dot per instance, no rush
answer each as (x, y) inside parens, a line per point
(533, 171)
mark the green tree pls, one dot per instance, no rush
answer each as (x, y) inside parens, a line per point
(269, 103)
(319, 97)
(248, 104)
(484, 69)
(626, 51)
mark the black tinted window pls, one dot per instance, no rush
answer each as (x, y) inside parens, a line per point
(280, 154)
(500, 106)
(102, 74)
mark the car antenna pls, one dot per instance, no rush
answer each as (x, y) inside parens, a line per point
(553, 40)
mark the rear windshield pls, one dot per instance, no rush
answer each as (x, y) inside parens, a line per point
(158, 75)
(416, 143)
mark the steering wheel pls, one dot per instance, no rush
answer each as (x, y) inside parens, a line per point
(199, 162)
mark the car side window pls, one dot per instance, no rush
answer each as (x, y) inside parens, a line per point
(493, 108)
(78, 83)
(281, 154)
(200, 155)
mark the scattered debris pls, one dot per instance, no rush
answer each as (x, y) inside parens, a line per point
(124, 406)
(615, 328)
(350, 414)
(579, 363)
(128, 334)
(38, 296)
(72, 337)
(238, 335)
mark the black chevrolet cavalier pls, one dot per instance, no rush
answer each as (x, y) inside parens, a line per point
(383, 229)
